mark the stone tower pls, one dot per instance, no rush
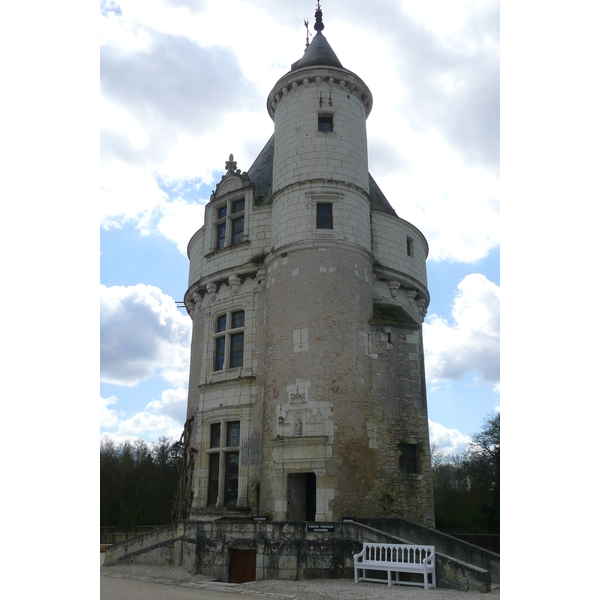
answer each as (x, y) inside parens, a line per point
(307, 294)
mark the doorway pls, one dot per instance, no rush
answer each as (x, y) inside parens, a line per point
(242, 565)
(302, 497)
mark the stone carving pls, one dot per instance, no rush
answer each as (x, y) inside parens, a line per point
(197, 302)
(211, 289)
(298, 426)
(422, 306)
(230, 165)
(394, 287)
(234, 284)
(298, 395)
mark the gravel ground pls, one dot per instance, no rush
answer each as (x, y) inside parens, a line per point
(320, 589)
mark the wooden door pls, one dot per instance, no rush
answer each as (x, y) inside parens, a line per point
(242, 565)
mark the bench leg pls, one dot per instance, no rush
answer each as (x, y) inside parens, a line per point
(389, 579)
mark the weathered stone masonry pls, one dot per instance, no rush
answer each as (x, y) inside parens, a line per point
(307, 294)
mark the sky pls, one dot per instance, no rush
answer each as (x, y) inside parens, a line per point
(437, 69)
(183, 83)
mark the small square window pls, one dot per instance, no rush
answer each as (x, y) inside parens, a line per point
(326, 123)
(222, 212)
(324, 216)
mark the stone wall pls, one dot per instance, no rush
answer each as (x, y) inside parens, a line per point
(116, 534)
(283, 551)
(300, 148)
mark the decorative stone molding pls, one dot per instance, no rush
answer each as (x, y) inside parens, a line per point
(197, 302)
(234, 284)
(358, 88)
(211, 289)
(233, 180)
(411, 295)
(394, 287)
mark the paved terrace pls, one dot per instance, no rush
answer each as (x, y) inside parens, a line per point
(150, 582)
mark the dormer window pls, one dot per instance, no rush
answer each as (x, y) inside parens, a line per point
(229, 223)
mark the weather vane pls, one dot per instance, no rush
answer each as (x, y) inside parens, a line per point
(307, 31)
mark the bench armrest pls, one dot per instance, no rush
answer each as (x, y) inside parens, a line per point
(429, 558)
(361, 554)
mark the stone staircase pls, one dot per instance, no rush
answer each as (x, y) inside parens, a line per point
(290, 551)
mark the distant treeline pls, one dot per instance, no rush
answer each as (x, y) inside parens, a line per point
(138, 482)
(466, 487)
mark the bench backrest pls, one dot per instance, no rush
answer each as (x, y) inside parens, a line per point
(396, 553)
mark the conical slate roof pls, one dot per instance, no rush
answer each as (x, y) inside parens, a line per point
(261, 172)
(319, 52)
(261, 175)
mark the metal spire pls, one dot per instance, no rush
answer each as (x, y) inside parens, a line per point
(319, 18)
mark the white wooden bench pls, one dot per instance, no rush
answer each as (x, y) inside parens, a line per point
(396, 558)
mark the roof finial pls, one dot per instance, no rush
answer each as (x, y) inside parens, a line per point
(231, 165)
(319, 18)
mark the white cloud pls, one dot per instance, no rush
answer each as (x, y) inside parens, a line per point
(142, 333)
(128, 194)
(184, 83)
(179, 221)
(472, 341)
(148, 426)
(173, 403)
(108, 417)
(447, 441)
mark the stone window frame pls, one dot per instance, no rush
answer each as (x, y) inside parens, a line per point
(223, 415)
(243, 302)
(407, 464)
(325, 118)
(227, 334)
(333, 198)
(223, 450)
(329, 216)
(228, 220)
